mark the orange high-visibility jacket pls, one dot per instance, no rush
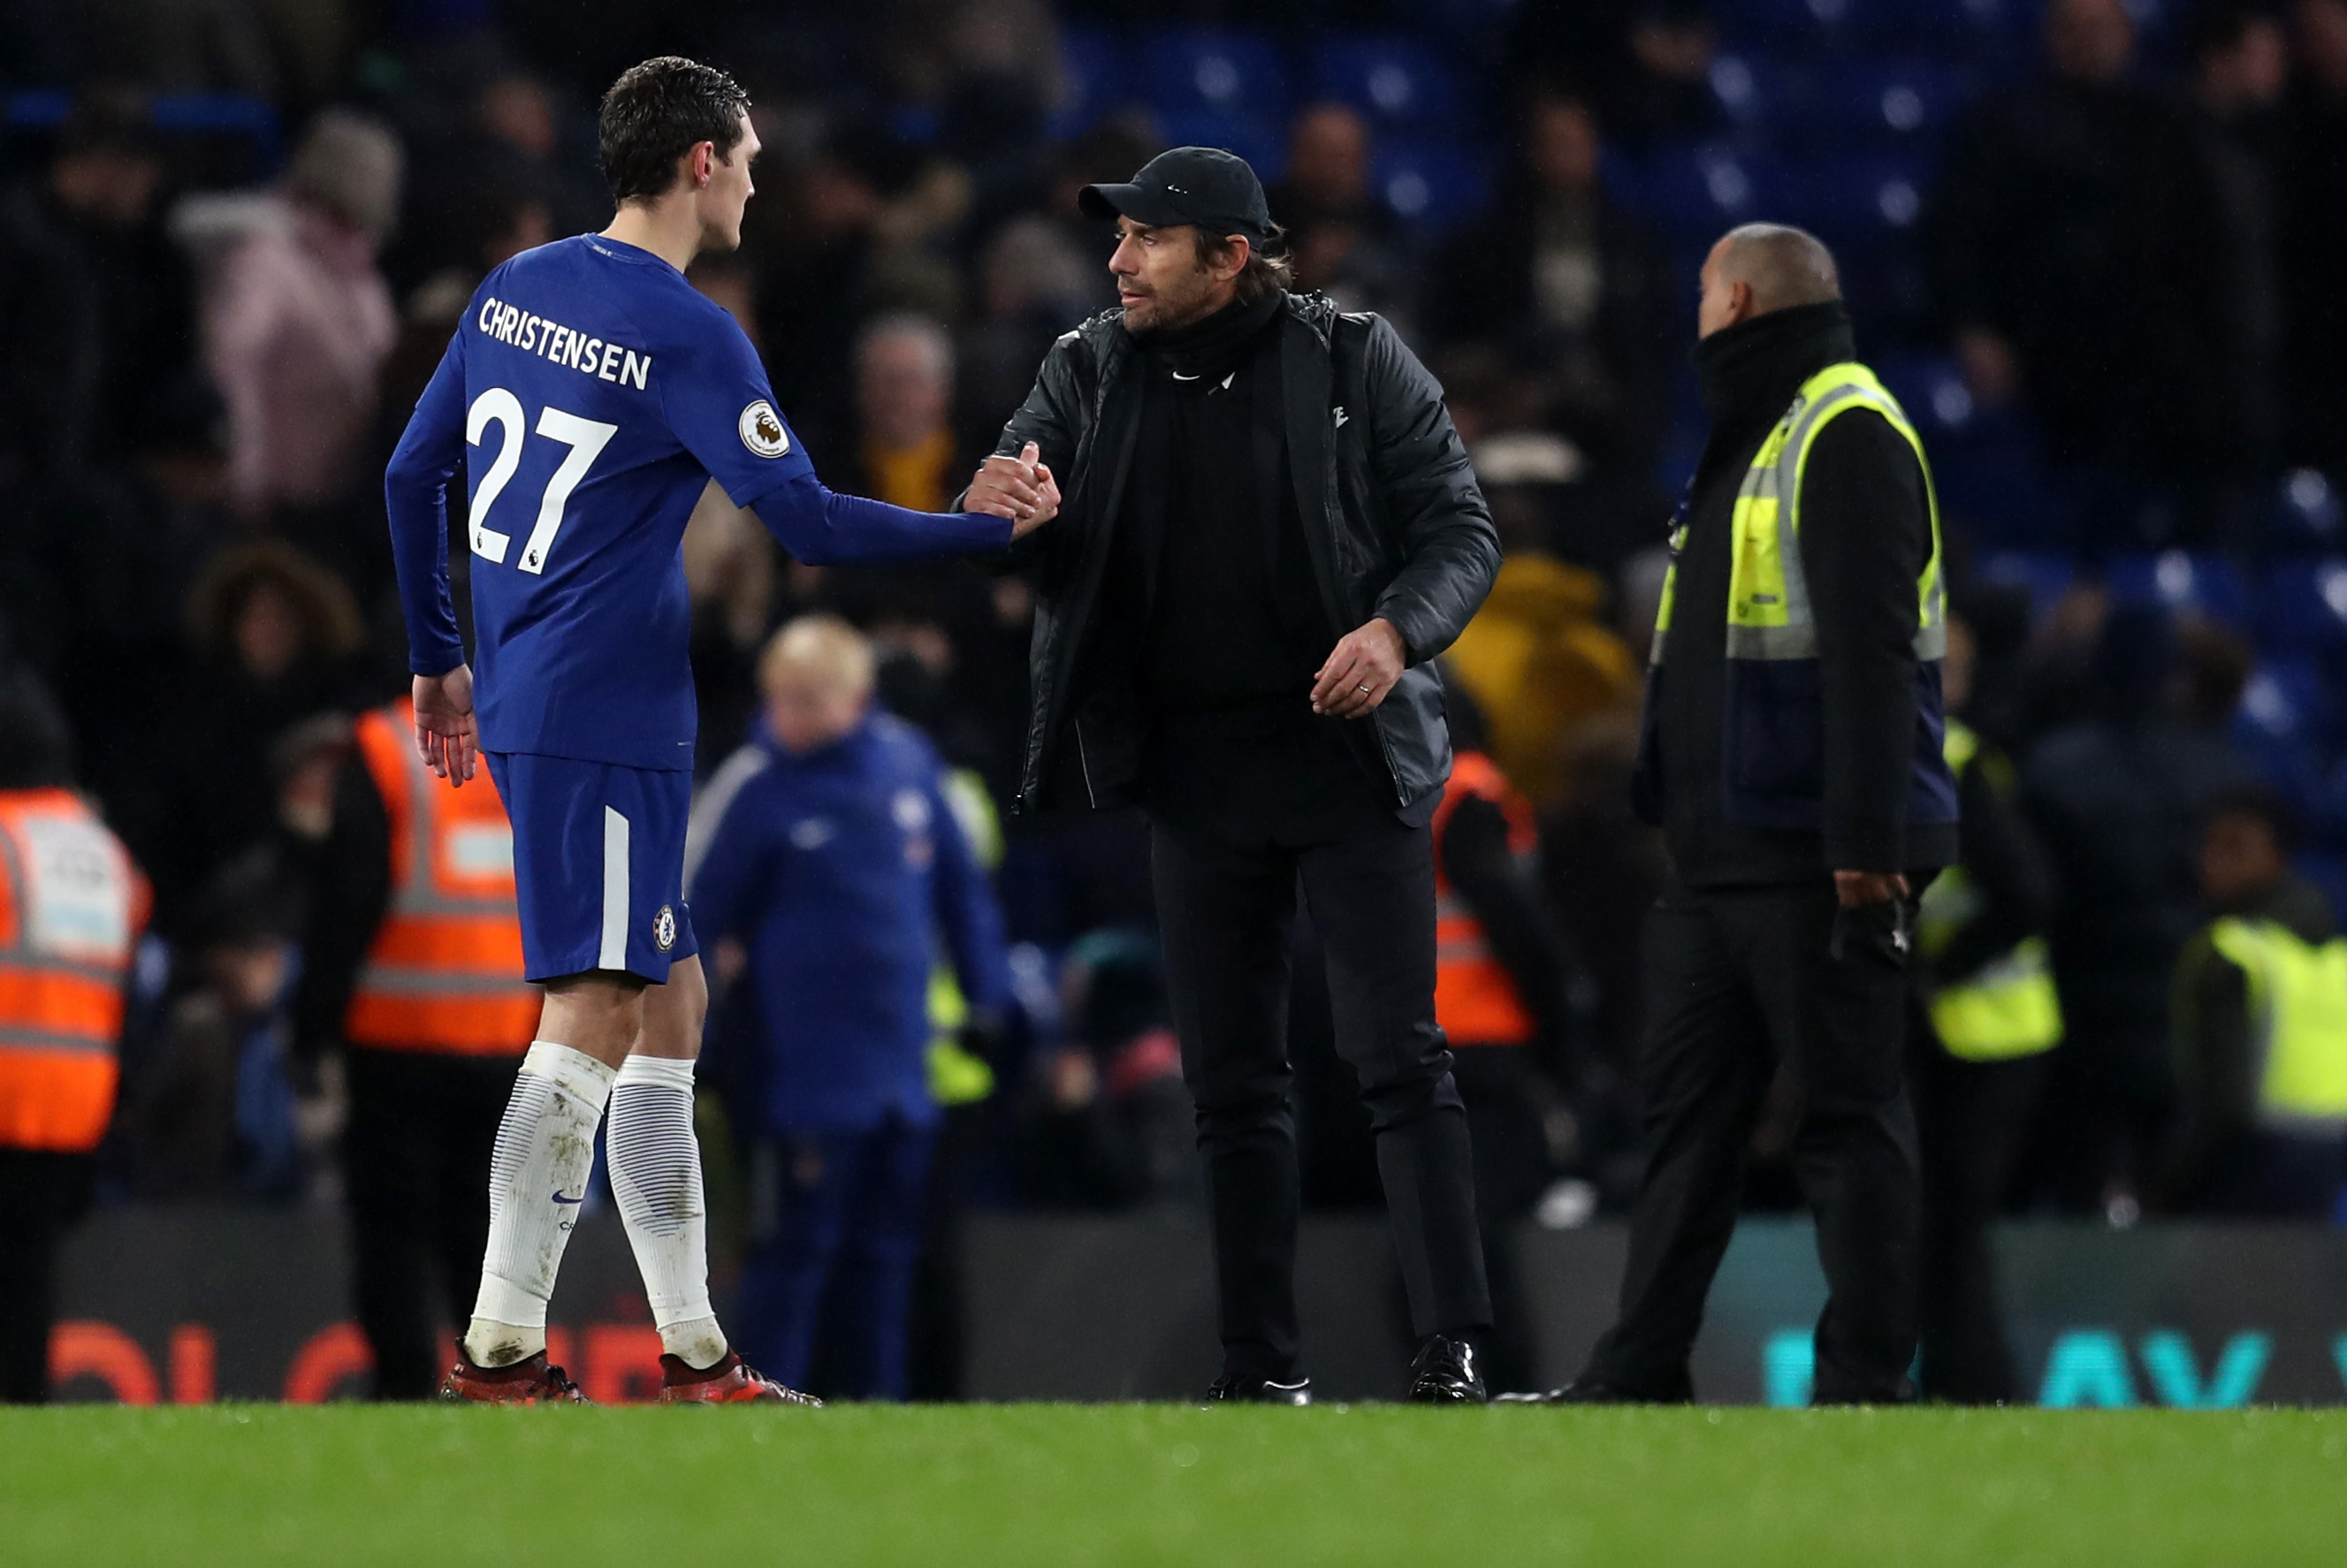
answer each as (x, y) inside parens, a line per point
(71, 904)
(1475, 1000)
(445, 970)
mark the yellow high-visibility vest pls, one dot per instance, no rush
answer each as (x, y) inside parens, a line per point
(1773, 727)
(2298, 1020)
(1769, 614)
(2007, 1007)
(957, 1076)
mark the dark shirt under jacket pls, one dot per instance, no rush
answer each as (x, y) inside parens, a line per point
(1215, 561)
(1213, 589)
(1865, 538)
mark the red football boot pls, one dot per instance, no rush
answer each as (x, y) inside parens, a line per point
(532, 1380)
(732, 1381)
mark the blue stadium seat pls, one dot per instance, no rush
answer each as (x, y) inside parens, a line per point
(1435, 185)
(1213, 70)
(1097, 72)
(1794, 25)
(253, 121)
(2286, 705)
(2046, 575)
(2328, 871)
(1932, 389)
(1971, 26)
(2303, 608)
(1750, 89)
(2182, 580)
(2303, 516)
(1695, 193)
(1861, 200)
(1397, 82)
(1262, 142)
(1886, 101)
(1995, 484)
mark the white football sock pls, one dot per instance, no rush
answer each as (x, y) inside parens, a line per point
(656, 1177)
(537, 1178)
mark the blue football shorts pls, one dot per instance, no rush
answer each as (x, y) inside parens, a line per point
(599, 864)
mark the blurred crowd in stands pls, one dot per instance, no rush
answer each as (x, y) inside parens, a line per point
(2093, 244)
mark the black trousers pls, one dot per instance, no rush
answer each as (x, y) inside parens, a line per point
(1739, 980)
(1973, 1118)
(1227, 902)
(42, 1193)
(417, 1158)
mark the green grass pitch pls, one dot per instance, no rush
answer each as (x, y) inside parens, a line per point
(1038, 1485)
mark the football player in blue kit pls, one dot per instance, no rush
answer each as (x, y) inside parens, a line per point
(594, 396)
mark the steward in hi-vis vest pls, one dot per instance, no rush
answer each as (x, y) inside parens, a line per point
(1981, 926)
(2260, 1014)
(413, 971)
(444, 971)
(1476, 999)
(1499, 994)
(1773, 741)
(1988, 1017)
(1501, 972)
(71, 908)
(1792, 751)
(70, 905)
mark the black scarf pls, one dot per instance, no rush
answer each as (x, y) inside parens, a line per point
(1216, 344)
(1749, 371)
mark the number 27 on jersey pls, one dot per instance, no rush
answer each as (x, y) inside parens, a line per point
(585, 438)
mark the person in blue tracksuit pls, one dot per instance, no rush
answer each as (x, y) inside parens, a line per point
(825, 865)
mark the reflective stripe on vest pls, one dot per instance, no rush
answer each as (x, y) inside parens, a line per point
(2298, 1021)
(69, 898)
(2004, 1010)
(2008, 1008)
(1769, 614)
(1475, 1000)
(444, 972)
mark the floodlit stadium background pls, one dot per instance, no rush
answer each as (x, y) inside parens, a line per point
(2095, 260)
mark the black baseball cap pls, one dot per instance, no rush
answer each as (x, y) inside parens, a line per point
(1202, 185)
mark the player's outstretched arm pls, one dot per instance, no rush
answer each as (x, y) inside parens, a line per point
(447, 733)
(823, 528)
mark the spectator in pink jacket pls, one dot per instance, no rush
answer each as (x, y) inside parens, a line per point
(297, 319)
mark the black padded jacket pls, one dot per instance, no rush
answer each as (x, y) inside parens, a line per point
(1393, 519)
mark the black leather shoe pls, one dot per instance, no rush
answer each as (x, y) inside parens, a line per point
(1444, 1373)
(1587, 1390)
(1229, 1390)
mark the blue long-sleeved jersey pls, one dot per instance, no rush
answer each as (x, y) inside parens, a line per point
(595, 395)
(839, 870)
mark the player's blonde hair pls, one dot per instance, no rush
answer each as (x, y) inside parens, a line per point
(823, 646)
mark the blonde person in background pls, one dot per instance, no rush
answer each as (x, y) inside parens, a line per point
(824, 863)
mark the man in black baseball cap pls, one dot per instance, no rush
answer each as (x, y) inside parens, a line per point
(1270, 528)
(1211, 199)
(1214, 190)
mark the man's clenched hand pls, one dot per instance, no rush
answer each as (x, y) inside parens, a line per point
(1361, 671)
(447, 734)
(1020, 489)
(1855, 889)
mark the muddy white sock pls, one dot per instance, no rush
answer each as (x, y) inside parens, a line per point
(537, 1178)
(656, 1177)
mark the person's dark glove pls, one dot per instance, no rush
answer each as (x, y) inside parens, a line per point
(1878, 931)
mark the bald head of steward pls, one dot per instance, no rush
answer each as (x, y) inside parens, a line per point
(1764, 267)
